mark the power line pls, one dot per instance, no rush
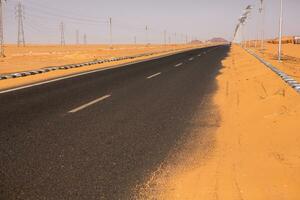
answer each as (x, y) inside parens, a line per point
(20, 17)
(42, 14)
(69, 14)
(54, 14)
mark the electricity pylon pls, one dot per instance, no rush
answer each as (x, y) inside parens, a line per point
(20, 17)
(110, 33)
(77, 37)
(85, 39)
(62, 34)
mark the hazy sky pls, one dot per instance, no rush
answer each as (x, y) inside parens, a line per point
(203, 19)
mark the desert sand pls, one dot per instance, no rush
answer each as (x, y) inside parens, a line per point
(33, 57)
(249, 148)
(290, 57)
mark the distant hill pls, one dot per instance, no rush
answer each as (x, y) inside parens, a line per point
(217, 40)
(196, 42)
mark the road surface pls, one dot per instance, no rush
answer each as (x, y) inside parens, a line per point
(98, 135)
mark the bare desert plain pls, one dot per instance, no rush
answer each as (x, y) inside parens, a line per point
(290, 63)
(33, 57)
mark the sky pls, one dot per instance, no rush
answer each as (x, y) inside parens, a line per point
(201, 19)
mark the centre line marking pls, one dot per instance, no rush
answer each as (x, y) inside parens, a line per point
(191, 59)
(154, 75)
(178, 65)
(89, 104)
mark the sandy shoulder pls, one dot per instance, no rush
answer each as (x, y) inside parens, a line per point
(253, 153)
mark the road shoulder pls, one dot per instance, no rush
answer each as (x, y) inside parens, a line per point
(254, 151)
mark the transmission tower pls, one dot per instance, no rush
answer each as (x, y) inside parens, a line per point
(1, 30)
(20, 18)
(62, 34)
(147, 35)
(85, 39)
(77, 37)
(110, 33)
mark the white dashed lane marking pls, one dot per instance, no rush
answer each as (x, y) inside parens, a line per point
(89, 104)
(154, 75)
(179, 64)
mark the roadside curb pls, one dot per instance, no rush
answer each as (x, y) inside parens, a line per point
(70, 66)
(286, 78)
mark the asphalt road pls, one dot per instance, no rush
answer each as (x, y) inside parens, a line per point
(97, 135)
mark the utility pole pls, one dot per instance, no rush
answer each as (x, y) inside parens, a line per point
(62, 34)
(134, 40)
(110, 32)
(1, 30)
(242, 35)
(257, 33)
(262, 12)
(84, 39)
(20, 17)
(165, 37)
(175, 35)
(147, 36)
(77, 37)
(280, 32)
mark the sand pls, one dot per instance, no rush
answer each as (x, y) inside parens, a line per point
(290, 57)
(249, 148)
(33, 57)
(36, 57)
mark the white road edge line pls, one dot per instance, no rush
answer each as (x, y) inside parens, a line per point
(89, 104)
(179, 64)
(154, 75)
(192, 58)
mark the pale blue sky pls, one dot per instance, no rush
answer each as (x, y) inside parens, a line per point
(203, 19)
